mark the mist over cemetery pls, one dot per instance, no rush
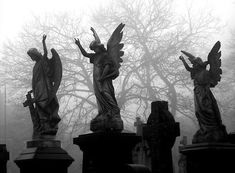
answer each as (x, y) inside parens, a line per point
(127, 86)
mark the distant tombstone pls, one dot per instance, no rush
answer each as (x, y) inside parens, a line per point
(141, 153)
(160, 132)
(4, 157)
(139, 126)
(182, 163)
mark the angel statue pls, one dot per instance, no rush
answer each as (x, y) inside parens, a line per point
(106, 64)
(44, 106)
(206, 108)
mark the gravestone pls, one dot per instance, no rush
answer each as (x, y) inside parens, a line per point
(161, 131)
(141, 150)
(182, 158)
(4, 157)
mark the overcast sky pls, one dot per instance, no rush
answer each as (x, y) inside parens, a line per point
(15, 13)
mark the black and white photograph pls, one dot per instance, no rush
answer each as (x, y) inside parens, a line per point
(117, 86)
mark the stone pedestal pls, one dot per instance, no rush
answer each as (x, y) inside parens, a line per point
(45, 156)
(209, 157)
(107, 152)
(4, 157)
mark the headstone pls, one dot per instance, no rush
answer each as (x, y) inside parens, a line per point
(182, 163)
(141, 150)
(160, 132)
(4, 157)
(45, 156)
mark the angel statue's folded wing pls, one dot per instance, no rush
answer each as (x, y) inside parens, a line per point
(215, 63)
(114, 48)
(56, 69)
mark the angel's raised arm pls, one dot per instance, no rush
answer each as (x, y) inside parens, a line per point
(185, 64)
(84, 53)
(44, 45)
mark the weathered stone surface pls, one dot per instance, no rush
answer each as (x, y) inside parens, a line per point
(106, 124)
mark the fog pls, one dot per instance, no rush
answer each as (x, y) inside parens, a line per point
(154, 34)
(14, 14)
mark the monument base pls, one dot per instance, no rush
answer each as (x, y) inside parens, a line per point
(4, 157)
(45, 156)
(209, 157)
(106, 152)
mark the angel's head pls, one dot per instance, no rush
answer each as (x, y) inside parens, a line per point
(34, 54)
(198, 63)
(97, 47)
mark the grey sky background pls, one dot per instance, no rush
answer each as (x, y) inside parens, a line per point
(14, 13)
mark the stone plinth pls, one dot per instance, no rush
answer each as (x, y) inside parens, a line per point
(45, 156)
(106, 152)
(4, 157)
(209, 157)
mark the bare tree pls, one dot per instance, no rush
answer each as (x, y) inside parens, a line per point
(153, 38)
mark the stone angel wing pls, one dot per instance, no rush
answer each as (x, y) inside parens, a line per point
(215, 63)
(56, 70)
(114, 49)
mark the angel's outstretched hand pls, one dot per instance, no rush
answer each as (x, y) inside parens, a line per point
(92, 29)
(44, 37)
(181, 58)
(77, 41)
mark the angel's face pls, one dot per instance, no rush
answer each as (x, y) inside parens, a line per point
(34, 54)
(97, 49)
(199, 66)
(35, 57)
